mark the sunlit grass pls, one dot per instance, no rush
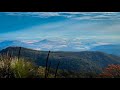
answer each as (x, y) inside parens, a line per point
(12, 67)
(22, 68)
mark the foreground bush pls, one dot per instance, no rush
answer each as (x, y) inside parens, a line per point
(14, 68)
(23, 69)
(20, 68)
(112, 71)
(5, 65)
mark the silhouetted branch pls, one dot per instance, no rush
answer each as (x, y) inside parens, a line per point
(57, 69)
(19, 53)
(48, 69)
(47, 64)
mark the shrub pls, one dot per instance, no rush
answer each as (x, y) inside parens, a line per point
(23, 69)
(20, 68)
(14, 68)
(112, 71)
(5, 71)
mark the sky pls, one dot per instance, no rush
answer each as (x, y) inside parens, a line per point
(71, 26)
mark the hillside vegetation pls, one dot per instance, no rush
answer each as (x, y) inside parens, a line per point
(14, 68)
(72, 61)
(17, 62)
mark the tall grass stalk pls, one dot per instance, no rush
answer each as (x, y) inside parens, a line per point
(46, 69)
(19, 52)
(57, 69)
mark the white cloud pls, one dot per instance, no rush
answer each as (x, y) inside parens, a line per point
(34, 14)
(101, 43)
(72, 15)
(61, 46)
(80, 48)
(30, 41)
(37, 49)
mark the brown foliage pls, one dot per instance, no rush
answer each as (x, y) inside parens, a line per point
(112, 71)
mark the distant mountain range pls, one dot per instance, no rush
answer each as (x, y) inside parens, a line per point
(57, 45)
(73, 61)
(111, 49)
(42, 44)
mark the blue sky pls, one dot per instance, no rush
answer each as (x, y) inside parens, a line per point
(71, 26)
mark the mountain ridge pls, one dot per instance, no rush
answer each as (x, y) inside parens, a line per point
(55, 45)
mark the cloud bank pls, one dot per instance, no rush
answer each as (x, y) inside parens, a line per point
(71, 15)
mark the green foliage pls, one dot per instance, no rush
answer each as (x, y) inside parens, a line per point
(14, 68)
(22, 68)
(70, 74)
(41, 73)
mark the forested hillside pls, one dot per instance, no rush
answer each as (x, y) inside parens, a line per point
(85, 61)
